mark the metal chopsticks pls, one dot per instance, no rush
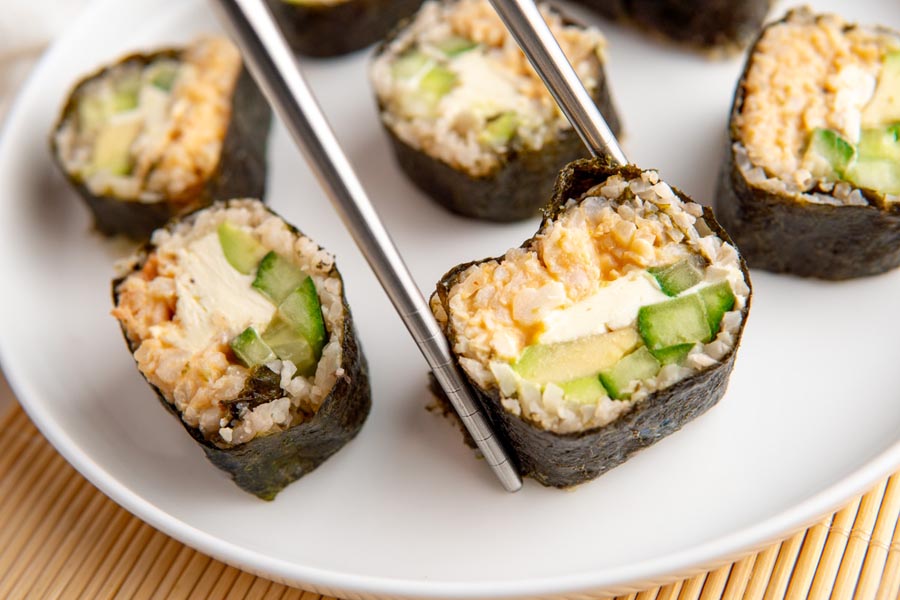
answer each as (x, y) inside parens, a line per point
(528, 28)
(273, 66)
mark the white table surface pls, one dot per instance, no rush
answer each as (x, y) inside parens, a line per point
(27, 28)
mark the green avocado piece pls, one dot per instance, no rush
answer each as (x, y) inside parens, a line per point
(282, 337)
(884, 107)
(456, 45)
(302, 309)
(164, 75)
(241, 249)
(112, 148)
(636, 366)
(717, 299)
(672, 354)
(882, 143)
(583, 357)
(499, 130)
(879, 175)
(249, 347)
(584, 390)
(677, 277)
(409, 64)
(828, 154)
(276, 277)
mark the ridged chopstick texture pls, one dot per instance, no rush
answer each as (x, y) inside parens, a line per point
(61, 538)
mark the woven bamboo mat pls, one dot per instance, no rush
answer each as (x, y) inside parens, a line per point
(61, 538)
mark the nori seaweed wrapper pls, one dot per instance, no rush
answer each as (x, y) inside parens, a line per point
(323, 30)
(783, 233)
(518, 187)
(240, 173)
(706, 25)
(265, 465)
(567, 459)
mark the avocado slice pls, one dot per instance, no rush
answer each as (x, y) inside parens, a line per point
(455, 45)
(112, 148)
(241, 249)
(884, 107)
(409, 64)
(879, 175)
(583, 357)
(499, 130)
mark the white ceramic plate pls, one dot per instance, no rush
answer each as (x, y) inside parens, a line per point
(811, 416)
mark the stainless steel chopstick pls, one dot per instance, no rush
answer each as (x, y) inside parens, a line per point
(273, 66)
(528, 28)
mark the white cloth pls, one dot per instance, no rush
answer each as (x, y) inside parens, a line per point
(26, 29)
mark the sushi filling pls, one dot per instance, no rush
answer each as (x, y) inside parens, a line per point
(821, 111)
(152, 131)
(232, 301)
(626, 292)
(455, 85)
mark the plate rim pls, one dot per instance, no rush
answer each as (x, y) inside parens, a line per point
(635, 576)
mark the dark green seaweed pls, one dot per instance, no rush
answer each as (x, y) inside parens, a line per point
(240, 173)
(517, 189)
(265, 465)
(567, 459)
(782, 233)
(706, 25)
(330, 30)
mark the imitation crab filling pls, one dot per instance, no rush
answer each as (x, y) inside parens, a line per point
(626, 292)
(236, 319)
(455, 85)
(821, 113)
(150, 129)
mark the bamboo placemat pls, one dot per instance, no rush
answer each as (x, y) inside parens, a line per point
(61, 538)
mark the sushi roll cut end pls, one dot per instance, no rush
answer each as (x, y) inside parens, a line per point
(626, 307)
(812, 183)
(472, 123)
(239, 323)
(144, 138)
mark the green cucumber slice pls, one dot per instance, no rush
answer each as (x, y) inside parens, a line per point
(500, 130)
(583, 357)
(277, 277)
(636, 366)
(672, 354)
(673, 322)
(677, 277)
(585, 390)
(717, 299)
(455, 45)
(249, 347)
(302, 309)
(884, 107)
(828, 154)
(241, 249)
(287, 344)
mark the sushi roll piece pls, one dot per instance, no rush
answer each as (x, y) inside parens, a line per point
(324, 28)
(158, 135)
(612, 327)
(239, 323)
(469, 120)
(713, 26)
(811, 180)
